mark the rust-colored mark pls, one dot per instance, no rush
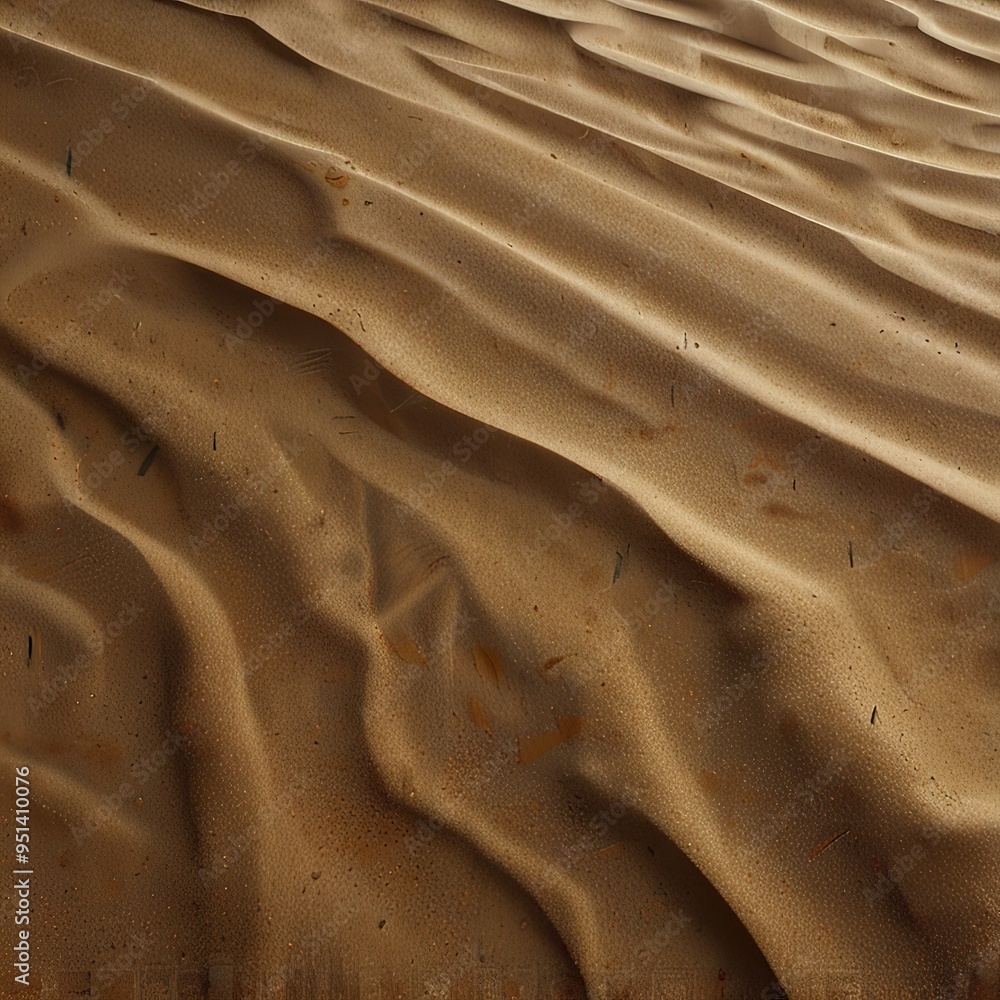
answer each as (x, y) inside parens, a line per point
(709, 782)
(762, 458)
(820, 848)
(488, 664)
(755, 479)
(606, 852)
(780, 511)
(549, 664)
(38, 571)
(107, 753)
(407, 650)
(530, 748)
(569, 725)
(968, 564)
(479, 716)
(337, 178)
(11, 518)
(643, 433)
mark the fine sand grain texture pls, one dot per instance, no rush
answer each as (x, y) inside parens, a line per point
(500, 499)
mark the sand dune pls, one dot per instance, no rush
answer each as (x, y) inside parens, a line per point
(498, 499)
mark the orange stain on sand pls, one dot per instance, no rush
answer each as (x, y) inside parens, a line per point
(11, 518)
(781, 511)
(614, 849)
(406, 649)
(479, 716)
(530, 748)
(489, 665)
(968, 564)
(762, 458)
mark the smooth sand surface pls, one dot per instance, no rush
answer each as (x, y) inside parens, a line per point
(501, 498)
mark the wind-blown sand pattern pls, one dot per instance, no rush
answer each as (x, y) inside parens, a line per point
(500, 499)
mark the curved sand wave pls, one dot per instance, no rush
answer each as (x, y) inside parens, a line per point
(568, 556)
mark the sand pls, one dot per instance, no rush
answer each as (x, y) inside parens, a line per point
(500, 499)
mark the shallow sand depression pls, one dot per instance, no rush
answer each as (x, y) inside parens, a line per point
(500, 499)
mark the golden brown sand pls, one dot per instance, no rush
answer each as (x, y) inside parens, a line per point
(500, 499)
